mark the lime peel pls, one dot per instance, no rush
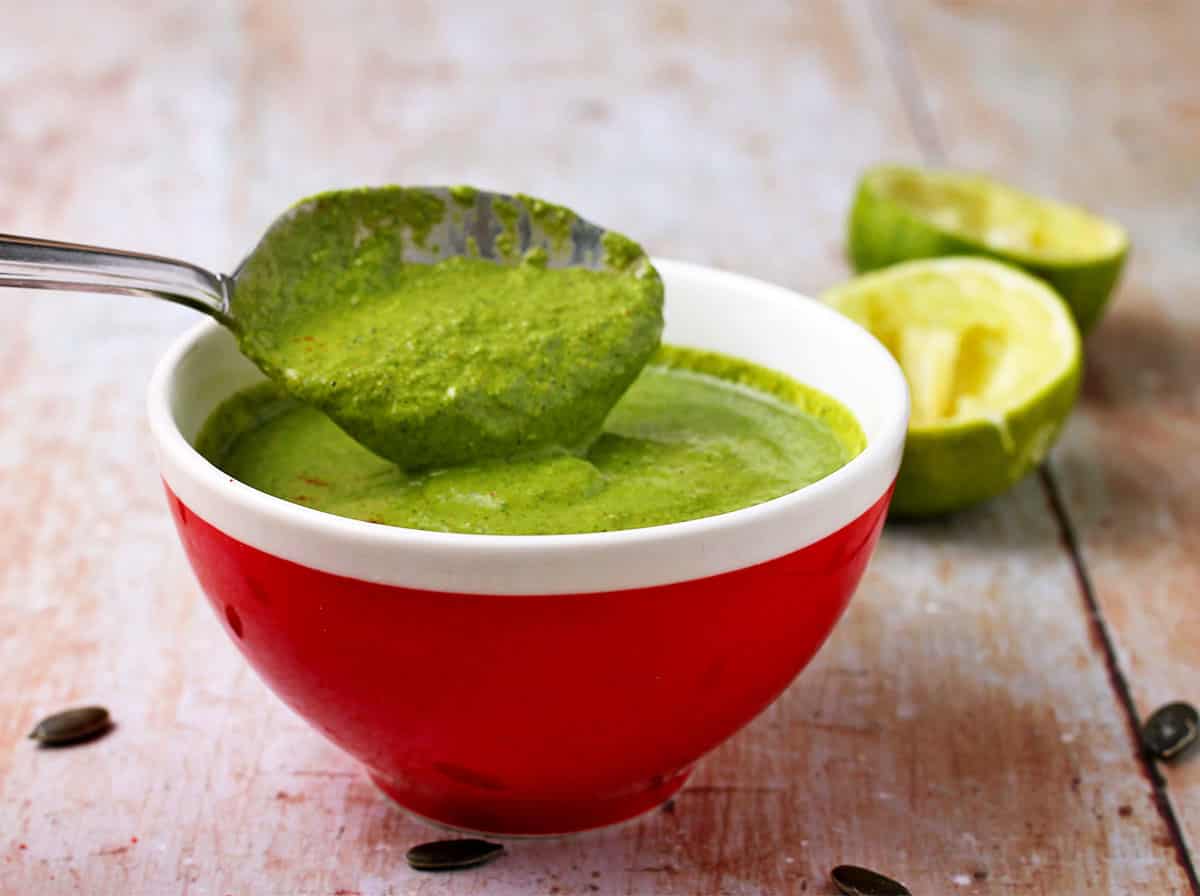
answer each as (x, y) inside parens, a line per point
(993, 360)
(902, 213)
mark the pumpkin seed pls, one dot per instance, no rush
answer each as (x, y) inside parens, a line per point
(1171, 730)
(72, 726)
(451, 855)
(855, 881)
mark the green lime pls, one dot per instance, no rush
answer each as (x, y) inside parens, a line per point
(904, 213)
(992, 358)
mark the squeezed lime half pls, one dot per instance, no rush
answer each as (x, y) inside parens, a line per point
(993, 359)
(900, 214)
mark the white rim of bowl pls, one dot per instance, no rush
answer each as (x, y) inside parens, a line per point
(544, 564)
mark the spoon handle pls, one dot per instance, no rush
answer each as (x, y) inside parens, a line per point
(34, 263)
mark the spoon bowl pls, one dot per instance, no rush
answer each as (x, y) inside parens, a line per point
(472, 223)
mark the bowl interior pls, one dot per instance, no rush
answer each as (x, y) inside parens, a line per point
(780, 330)
(705, 309)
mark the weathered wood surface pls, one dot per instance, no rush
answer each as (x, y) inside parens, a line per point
(961, 730)
(1104, 108)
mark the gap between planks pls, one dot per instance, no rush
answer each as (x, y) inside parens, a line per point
(925, 132)
(1102, 636)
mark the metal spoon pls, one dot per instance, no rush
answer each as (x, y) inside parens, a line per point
(381, 409)
(29, 262)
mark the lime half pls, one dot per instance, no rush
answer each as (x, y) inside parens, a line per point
(904, 213)
(992, 358)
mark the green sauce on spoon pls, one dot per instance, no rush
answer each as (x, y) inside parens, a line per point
(518, 341)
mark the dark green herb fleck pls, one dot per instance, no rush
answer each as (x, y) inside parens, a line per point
(855, 881)
(451, 855)
(72, 726)
(1171, 730)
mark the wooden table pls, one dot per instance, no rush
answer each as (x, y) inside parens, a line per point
(970, 727)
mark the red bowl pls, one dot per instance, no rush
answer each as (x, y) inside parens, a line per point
(542, 684)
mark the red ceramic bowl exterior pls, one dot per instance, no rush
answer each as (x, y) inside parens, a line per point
(543, 684)
(534, 714)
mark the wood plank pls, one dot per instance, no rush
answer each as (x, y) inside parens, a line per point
(1104, 109)
(116, 133)
(933, 738)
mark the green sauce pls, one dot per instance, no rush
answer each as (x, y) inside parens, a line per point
(696, 435)
(497, 392)
(466, 359)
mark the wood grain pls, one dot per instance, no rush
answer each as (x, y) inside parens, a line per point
(959, 731)
(1125, 141)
